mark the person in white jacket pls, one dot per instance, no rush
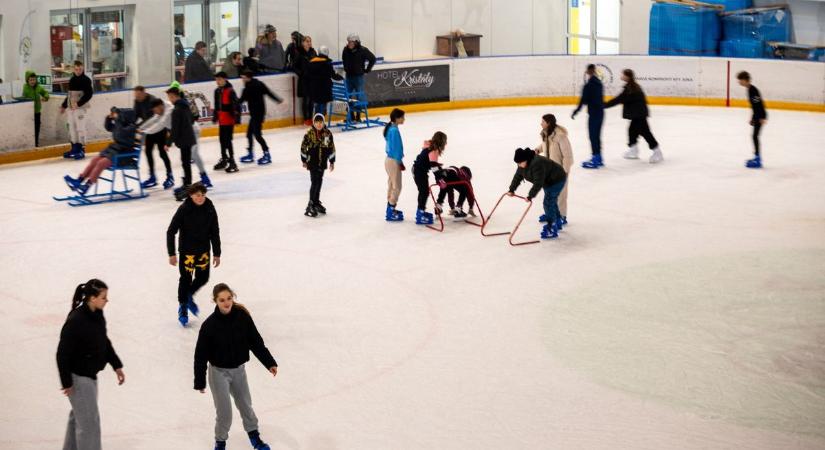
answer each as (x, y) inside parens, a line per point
(154, 133)
(556, 146)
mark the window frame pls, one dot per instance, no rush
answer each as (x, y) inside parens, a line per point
(593, 37)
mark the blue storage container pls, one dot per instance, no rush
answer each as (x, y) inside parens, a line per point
(743, 48)
(732, 5)
(772, 25)
(684, 30)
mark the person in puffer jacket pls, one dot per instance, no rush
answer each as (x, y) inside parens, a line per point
(317, 151)
(545, 174)
(556, 146)
(122, 123)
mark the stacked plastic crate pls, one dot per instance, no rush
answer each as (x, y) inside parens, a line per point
(686, 30)
(746, 33)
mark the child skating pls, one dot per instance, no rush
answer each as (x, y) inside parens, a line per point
(544, 174)
(227, 114)
(197, 222)
(394, 164)
(224, 341)
(426, 161)
(758, 120)
(317, 153)
(458, 175)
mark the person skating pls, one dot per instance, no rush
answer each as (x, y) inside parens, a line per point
(84, 350)
(35, 92)
(182, 135)
(426, 161)
(458, 175)
(358, 60)
(76, 107)
(758, 119)
(224, 342)
(635, 110)
(593, 97)
(227, 114)
(394, 164)
(556, 146)
(196, 220)
(155, 118)
(317, 153)
(545, 174)
(253, 94)
(191, 99)
(122, 123)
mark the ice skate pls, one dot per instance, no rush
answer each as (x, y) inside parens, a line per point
(221, 165)
(311, 211)
(755, 163)
(550, 232)
(265, 159)
(656, 157)
(320, 208)
(169, 182)
(192, 306)
(183, 317)
(423, 218)
(249, 157)
(256, 441)
(73, 183)
(632, 152)
(594, 163)
(149, 183)
(393, 215)
(232, 167)
(205, 180)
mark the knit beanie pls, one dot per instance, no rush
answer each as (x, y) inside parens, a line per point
(522, 155)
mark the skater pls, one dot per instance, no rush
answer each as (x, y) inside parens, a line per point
(317, 149)
(319, 75)
(197, 221)
(394, 164)
(122, 124)
(183, 136)
(635, 110)
(34, 92)
(455, 174)
(191, 99)
(253, 94)
(224, 341)
(555, 145)
(758, 120)
(77, 104)
(355, 56)
(427, 160)
(545, 174)
(83, 351)
(593, 97)
(155, 118)
(300, 67)
(227, 114)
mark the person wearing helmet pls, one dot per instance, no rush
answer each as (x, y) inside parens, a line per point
(358, 60)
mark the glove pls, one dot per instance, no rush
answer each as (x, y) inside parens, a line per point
(438, 209)
(573, 116)
(442, 183)
(403, 167)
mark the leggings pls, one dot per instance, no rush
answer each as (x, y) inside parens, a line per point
(254, 131)
(227, 152)
(95, 167)
(159, 140)
(639, 127)
(422, 182)
(757, 127)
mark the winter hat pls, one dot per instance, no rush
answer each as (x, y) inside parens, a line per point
(522, 155)
(269, 28)
(318, 118)
(324, 50)
(353, 37)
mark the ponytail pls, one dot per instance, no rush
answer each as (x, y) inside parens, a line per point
(84, 291)
(223, 287)
(394, 115)
(438, 142)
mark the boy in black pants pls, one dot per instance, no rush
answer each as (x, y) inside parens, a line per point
(183, 135)
(317, 149)
(760, 117)
(197, 222)
(227, 114)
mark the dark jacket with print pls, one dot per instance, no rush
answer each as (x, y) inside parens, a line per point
(225, 341)
(317, 149)
(198, 227)
(84, 348)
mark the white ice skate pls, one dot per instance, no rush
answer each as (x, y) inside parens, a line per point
(632, 152)
(656, 157)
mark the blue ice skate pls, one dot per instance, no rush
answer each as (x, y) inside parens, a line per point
(73, 183)
(423, 218)
(256, 441)
(168, 182)
(755, 163)
(249, 158)
(394, 215)
(149, 182)
(192, 306)
(550, 232)
(183, 318)
(205, 180)
(594, 163)
(220, 445)
(265, 159)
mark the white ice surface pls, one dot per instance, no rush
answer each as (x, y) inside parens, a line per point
(684, 307)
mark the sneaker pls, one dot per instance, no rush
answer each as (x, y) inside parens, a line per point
(149, 183)
(755, 163)
(656, 157)
(632, 152)
(221, 165)
(471, 213)
(249, 158)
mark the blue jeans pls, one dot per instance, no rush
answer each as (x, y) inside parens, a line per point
(319, 108)
(551, 201)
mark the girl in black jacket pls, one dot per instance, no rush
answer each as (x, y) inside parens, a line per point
(635, 110)
(425, 161)
(83, 351)
(225, 340)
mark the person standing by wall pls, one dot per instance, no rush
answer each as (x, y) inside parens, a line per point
(758, 119)
(300, 64)
(294, 50)
(233, 65)
(270, 50)
(83, 351)
(394, 164)
(34, 92)
(593, 97)
(227, 114)
(250, 62)
(253, 94)
(319, 76)
(556, 146)
(635, 110)
(197, 68)
(76, 108)
(355, 56)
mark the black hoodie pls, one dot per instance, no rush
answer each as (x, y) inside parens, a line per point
(225, 340)
(84, 348)
(198, 226)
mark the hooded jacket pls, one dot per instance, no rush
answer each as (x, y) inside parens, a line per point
(556, 146)
(592, 96)
(318, 77)
(123, 129)
(541, 172)
(84, 347)
(34, 93)
(225, 341)
(198, 227)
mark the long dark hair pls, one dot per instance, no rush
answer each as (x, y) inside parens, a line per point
(438, 142)
(87, 290)
(551, 121)
(223, 287)
(394, 115)
(632, 85)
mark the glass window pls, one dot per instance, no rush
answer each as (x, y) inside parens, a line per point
(607, 19)
(224, 30)
(593, 26)
(607, 47)
(107, 49)
(66, 38)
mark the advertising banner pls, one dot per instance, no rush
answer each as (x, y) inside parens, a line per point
(401, 85)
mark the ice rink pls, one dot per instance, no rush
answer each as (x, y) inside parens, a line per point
(682, 308)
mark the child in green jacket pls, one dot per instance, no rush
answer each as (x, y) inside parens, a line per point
(33, 91)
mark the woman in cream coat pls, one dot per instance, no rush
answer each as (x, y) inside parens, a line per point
(555, 146)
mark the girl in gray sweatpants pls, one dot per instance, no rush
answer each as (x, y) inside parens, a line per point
(83, 351)
(224, 341)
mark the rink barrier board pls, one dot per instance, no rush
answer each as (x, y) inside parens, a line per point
(97, 146)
